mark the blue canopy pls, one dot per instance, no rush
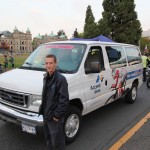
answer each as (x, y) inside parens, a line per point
(98, 38)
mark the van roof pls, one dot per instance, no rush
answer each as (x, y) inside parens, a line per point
(88, 43)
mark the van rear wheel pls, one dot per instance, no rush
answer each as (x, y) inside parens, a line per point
(132, 94)
(72, 124)
(148, 83)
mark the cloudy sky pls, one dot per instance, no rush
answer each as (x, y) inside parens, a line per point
(44, 16)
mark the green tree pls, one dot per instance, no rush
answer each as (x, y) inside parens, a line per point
(4, 45)
(121, 19)
(61, 32)
(144, 42)
(103, 28)
(90, 26)
(80, 35)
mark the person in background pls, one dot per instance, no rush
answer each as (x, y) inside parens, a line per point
(145, 62)
(55, 101)
(5, 62)
(11, 60)
(1, 68)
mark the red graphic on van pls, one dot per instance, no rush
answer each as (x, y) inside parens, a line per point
(120, 76)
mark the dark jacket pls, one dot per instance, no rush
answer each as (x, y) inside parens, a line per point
(57, 97)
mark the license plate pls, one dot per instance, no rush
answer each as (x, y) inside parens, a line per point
(28, 128)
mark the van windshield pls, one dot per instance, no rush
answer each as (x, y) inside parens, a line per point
(68, 56)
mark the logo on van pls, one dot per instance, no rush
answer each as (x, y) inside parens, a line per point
(99, 78)
(134, 74)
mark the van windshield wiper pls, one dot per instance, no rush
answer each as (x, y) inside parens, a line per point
(28, 64)
(26, 67)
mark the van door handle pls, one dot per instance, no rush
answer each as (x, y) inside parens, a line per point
(106, 82)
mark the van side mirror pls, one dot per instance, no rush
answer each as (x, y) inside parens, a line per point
(94, 67)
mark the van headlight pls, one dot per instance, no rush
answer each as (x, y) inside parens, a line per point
(35, 100)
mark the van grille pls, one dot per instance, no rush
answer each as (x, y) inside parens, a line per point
(19, 99)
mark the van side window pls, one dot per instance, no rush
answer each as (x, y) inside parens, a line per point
(116, 56)
(95, 54)
(133, 55)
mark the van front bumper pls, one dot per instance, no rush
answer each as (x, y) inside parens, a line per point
(10, 114)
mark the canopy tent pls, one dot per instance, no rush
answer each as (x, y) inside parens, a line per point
(98, 38)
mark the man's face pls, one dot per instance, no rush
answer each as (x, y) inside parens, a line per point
(50, 65)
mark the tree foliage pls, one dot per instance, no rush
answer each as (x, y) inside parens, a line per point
(120, 21)
(90, 26)
(143, 43)
(61, 32)
(80, 35)
(4, 45)
(103, 28)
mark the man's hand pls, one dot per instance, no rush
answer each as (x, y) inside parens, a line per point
(55, 119)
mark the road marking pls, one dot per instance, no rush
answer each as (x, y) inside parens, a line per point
(130, 133)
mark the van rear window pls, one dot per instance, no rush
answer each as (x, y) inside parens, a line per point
(133, 55)
(116, 56)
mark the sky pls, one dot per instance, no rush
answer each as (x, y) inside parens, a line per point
(45, 16)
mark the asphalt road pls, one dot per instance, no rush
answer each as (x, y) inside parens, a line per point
(100, 129)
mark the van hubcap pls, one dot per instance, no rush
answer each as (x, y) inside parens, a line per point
(72, 125)
(134, 92)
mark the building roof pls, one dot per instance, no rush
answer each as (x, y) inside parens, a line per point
(5, 34)
(52, 35)
(39, 36)
(15, 29)
(28, 30)
(62, 36)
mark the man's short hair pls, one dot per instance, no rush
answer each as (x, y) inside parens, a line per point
(52, 56)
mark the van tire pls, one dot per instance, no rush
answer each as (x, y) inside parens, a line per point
(148, 83)
(132, 94)
(72, 124)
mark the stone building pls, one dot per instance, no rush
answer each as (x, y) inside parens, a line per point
(40, 39)
(146, 34)
(19, 42)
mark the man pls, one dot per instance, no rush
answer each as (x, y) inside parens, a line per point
(145, 62)
(55, 101)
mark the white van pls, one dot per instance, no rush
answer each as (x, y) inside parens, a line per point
(97, 73)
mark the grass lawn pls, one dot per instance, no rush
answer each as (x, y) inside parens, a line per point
(18, 60)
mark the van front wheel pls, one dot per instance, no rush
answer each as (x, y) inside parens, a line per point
(132, 94)
(72, 124)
